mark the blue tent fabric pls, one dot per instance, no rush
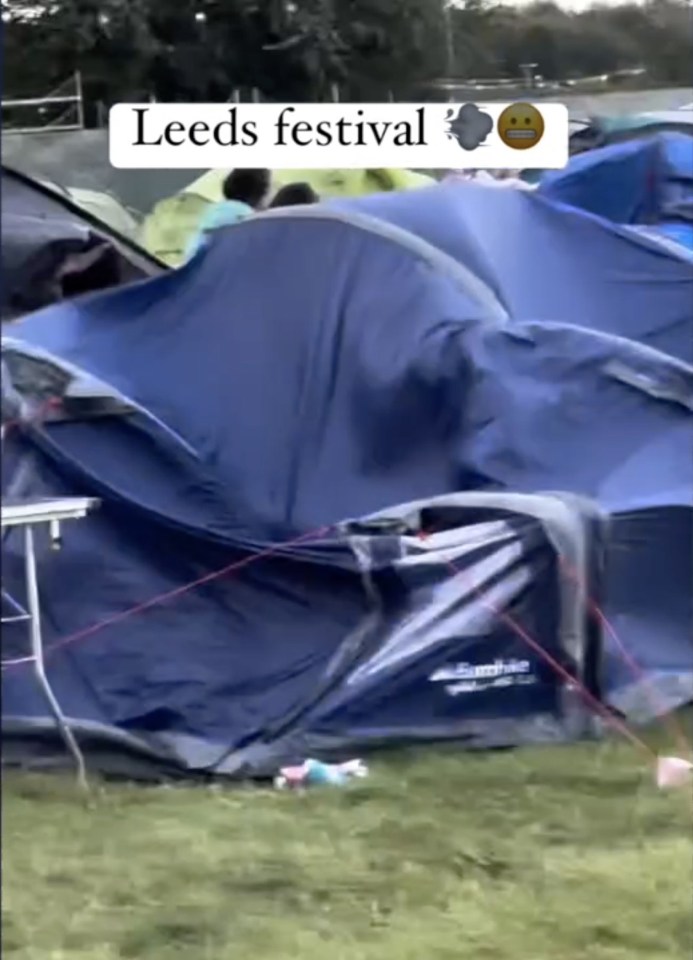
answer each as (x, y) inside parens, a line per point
(554, 264)
(644, 182)
(619, 182)
(650, 554)
(429, 349)
(287, 657)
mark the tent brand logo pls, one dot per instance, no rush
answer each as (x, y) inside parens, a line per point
(471, 678)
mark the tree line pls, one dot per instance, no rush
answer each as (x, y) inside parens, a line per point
(298, 50)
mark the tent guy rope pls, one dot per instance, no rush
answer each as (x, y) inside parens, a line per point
(670, 771)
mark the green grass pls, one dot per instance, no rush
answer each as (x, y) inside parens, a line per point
(545, 854)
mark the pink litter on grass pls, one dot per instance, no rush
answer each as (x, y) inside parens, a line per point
(673, 772)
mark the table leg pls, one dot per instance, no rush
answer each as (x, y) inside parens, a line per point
(34, 610)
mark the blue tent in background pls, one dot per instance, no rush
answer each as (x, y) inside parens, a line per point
(646, 182)
(508, 377)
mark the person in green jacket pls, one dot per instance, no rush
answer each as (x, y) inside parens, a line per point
(245, 192)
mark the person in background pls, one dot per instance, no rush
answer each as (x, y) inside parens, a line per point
(295, 194)
(245, 192)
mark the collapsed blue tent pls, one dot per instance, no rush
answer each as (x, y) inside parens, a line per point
(313, 393)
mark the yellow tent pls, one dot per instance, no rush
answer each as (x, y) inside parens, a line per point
(173, 221)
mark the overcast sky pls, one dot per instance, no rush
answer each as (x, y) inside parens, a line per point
(573, 4)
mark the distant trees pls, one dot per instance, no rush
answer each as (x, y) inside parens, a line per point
(657, 35)
(297, 49)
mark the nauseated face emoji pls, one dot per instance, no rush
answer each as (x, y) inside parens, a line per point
(520, 126)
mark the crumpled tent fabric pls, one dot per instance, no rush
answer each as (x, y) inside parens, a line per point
(401, 355)
(52, 248)
(174, 221)
(644, 182)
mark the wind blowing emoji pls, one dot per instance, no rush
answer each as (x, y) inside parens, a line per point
(470, 127)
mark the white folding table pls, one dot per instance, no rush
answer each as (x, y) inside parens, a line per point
(29, 514)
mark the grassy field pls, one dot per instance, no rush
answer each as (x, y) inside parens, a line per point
(550, 854)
